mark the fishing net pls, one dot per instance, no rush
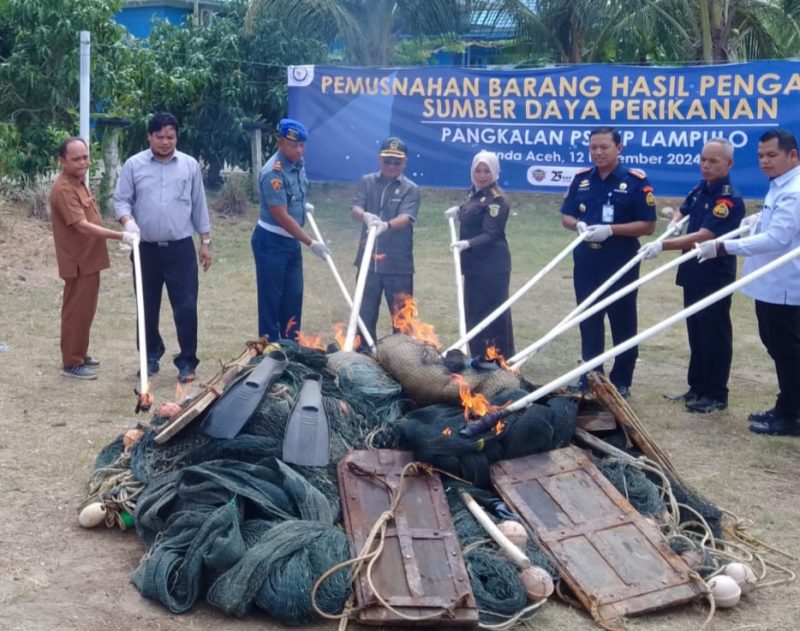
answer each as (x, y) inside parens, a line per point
(432, 434)
(634, 485)
(421, 371)
(495, 583)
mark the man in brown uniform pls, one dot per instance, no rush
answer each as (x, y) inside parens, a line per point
(81, 253)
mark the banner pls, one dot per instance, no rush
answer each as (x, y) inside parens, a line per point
(538, 121)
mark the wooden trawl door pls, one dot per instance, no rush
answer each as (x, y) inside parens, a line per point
(421, 570)
(615, 561)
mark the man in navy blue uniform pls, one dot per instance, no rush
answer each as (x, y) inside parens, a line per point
(614, 206)
(714, 208)
(282, 187)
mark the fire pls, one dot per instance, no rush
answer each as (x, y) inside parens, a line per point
(475, 405)
(447, 431)
(404, 320)
(499, 427)
(290, 325)
(309, 341)
(340, 334)
(494, 355)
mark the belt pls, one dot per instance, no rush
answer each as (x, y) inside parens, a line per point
(165, 244)
(274, 229)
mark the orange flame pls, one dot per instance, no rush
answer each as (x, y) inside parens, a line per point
(493, 354)
(404, 320)
(475, 405)
(340, 334)
(447, 431)
(499, 427)
(290, 325)
(309, 341)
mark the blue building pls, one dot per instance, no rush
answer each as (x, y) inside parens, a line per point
(138, 15)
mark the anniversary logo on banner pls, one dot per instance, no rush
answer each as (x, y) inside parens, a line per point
(538, 121)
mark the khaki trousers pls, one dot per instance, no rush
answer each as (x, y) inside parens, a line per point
(77, 314)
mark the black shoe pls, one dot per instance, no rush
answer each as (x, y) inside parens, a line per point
(687, 397)
(763, 417)
(624, 391)
(705, 405)
(81, 371)
(777, 427)
(186, 374)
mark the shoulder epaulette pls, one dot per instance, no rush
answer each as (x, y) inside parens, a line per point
(638, 173)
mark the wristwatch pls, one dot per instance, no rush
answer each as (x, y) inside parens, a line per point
(205, 241)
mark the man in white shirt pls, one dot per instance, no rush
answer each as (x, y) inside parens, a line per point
(777, 294)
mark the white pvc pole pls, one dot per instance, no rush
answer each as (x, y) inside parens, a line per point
(361, 283)
(565, 325)
(653, 330)
(144, 386)
(621, 272)
(85, 80)
(329, 260)
(462, 316)
(518, 294)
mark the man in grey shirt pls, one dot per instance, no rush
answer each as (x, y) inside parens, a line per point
(160, 195)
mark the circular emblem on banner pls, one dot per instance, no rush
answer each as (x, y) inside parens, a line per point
(300, 76)
(538, 174)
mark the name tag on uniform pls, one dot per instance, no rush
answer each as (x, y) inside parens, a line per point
(608, 213)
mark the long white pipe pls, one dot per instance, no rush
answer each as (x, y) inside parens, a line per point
(517, 294)
(653, 330)
(462, 316)
(361, 283)
(329, 260)
(622, 271)
(144, 386)
(512, 551)
(84, 87)
(526, 353)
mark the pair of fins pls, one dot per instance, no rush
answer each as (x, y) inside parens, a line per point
(240, 401)
(307, 435)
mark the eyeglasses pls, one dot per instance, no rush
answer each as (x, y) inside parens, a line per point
(392, 162)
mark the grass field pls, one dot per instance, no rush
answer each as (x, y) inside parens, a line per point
(55, 575)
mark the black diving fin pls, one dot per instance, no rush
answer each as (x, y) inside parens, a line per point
(306, 440)
(238, 403)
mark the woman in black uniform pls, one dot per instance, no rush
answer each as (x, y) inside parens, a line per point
(485, 257)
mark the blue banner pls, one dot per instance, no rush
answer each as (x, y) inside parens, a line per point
(538, 121)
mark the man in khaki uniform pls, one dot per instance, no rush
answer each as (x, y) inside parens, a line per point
(81, 253)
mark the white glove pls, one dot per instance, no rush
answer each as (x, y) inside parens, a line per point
(128, 238)
(598, 233)
(320, 249)
(750, 222)
(650, 250)
(706, 250)
(369, 219)
(131, 226)
(383, 226)
(581, 227)
(310, 208)
(451, 213)
(460, 246)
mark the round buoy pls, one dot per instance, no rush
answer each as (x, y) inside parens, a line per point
(537, 581)
(515, 531)
(743, 575)
(725, 591)
(92, 515)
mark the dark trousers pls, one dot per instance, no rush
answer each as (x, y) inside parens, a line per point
(711, 345)
(279, 283)
(483, 293)
(779, 328)
(78, 307)
(174, 264)
(621, 317)
(392, 286)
